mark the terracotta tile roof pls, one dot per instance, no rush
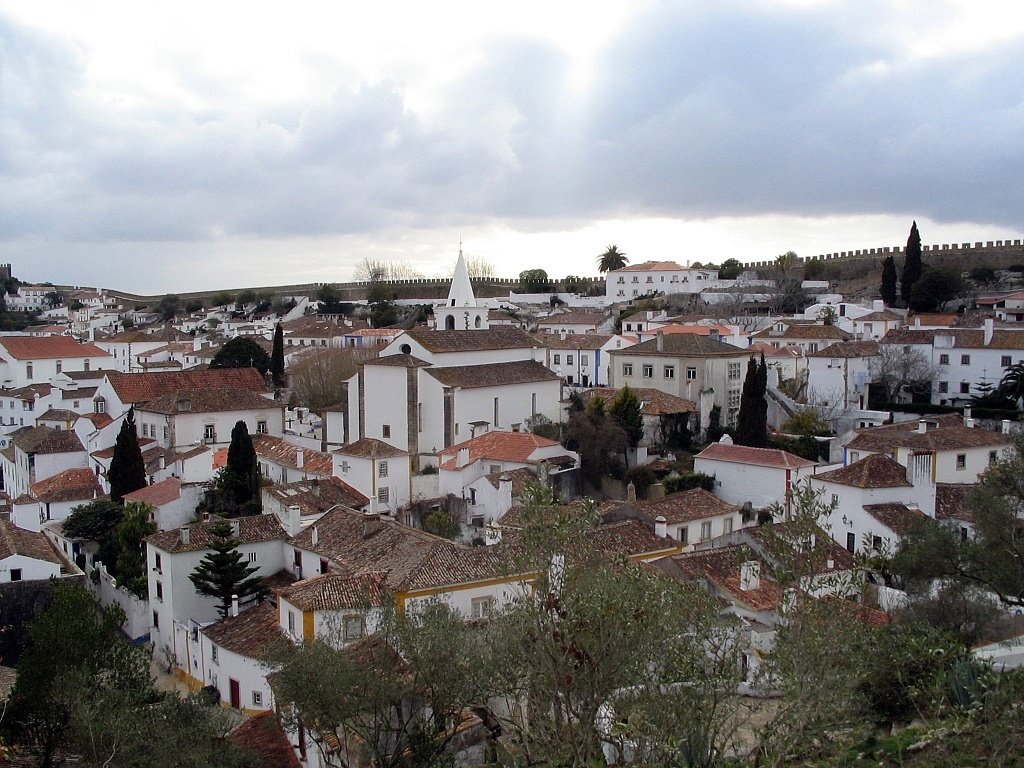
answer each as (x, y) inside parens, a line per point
(76, 484)
(951, 502)
(762, 348)
(493, 374)
(875, 317)
(43, 440)
(380, 333)
(842, 560)
(574, 341)
(761, 457)
(848, 349)
(29, 393)
(317, 495)
(408, 559)
(684, 345)
(209, 401)
(721, 568)
(58, 414)
(497, 446)
(909, 336)
(252, 530)
(280, 451)
(631, 538)
(398, 361)
(163, 333)
(249, 633)
(370, 447)
(157, 494)
(801, 331)
(33, 544)
(574, 318)
(898, 518)
(313, 327)
(945, 432)
(134, 388)
(48, 348)
(875, 471)
(686, 507)
(653, 402)
(500, 337)
(264, 738)
(654, 266)
(99, 420)
(520, 478)
(106, 453)
(334, 591)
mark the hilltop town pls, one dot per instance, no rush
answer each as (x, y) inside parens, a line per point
(679, 514)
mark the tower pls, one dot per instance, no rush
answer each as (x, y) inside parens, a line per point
(461, 311)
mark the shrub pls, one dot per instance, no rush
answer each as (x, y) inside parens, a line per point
(641, 477)
(805, 446)
(689, 481)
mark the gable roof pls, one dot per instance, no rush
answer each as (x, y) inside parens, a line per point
(761, 457)
(252, 530)
(655, 266)
(499, 337)
(514, 447)
(848, 349)
(157, 494)
(280, 451)
(574, 341)
(631, 538)
(875, 471)
(263, 736)
(493, 374)
(370, 448)
(334, 591)
(721, 568)
(77, 484)
(134, 388)
(317, 495)
(653, 402)
(803, 331)
(210, 400)
(33, 544)
(574, 318)
(683, 345)
(898, 518)
(48, 348)
(43, 440)
(685, 506)
(250, 632)
(951, 502)
(945, 432)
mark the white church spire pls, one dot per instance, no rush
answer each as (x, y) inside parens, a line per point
(461, 311)
(461, 292)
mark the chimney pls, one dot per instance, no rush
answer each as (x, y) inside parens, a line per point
(660, 343)
(750, 575)
(1006, 426)
(234, 605)
(236, 528)
(967, 415)
(922, 426)
(316, 536)
(293, 520)
(163, 461)
(371, 523)
(656, 491)
(300, 458)
(185, 534)
(877, 305)
(917, 322)
(660, 526)
(830, 563)
(462, 457)
(630, 492)
(990, 329)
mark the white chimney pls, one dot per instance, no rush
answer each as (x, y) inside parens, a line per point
(967, 414)
(830, 563)
(316, 536)
(1006, 426)
(293, 522)
(630, 492)
(371, 522)
(462, 457)
(750, 575)
(234, 605)
(300, 458)
(990, 329)
(236, 528)
(185, 535)
(877, 305)
(660, 343)
(922, 426)
(660, 526)
(163, 461)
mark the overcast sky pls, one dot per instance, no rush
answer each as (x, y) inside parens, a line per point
(178, 146)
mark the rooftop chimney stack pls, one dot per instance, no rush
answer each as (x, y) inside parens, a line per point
(922, 426)
(462, 457)
(300, 458)
(185, 534)
(660, 526)
(371, 523)
(1006, 426)
(660, 343)
(630, 492)
(316, 536)
(293, 521)
(750, 575)
(234, 605)
(990, 329)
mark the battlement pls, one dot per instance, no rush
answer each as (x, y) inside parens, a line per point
(996, 249)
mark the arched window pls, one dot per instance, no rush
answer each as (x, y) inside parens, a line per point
(406, 349)
(477, 322)
(449, 323)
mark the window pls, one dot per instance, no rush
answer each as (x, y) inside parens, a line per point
(965, 387)
(648, 371)
(627, 369)
(291, 622)
(344, 467)
(1006, 361)
(835, 499)
(851, 542)
(261, 427)
(324, 565)
(481, 607)
(867, 327)
(213, 654)
(965, 359)
(683, 534)
(876, 542)
(621, 279)
(60, 366)
(993, 457)
(734, 371)
(495, 414)
(386, 430)
(382, 469)
(158, 562)
(156, 620)
(691, 374)
(85, 366)
(943, 386)
(943, 359)
(353, 628)
(727, 525)
(734, 398)
(670, 371)
(568, 359)
(28, 370)
(558, 359)
(257, 698)
(382, 495)
(209, 433)
(159, 591)
(961, 461)
(584, 359)
(705, 530)
(252, 557)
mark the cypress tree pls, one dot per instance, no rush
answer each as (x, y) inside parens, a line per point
(127, 469)
(624, 409)
(889, 294)
(912, 267)
(277, 357)
(242, 471)
(224, 573)
(744, 424)
(759, 422)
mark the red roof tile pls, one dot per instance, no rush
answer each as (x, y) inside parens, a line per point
(370, 447)
(69, 485)
(761, 457)
(48, 348)
(280, 451)
(250, 632)
(898, 518)
(157, 494)
(653, 402)
(655, 266)
(334, 591)
(874, 471)
(263, 736)
(252, 530)
(142, 387)
(497, 446)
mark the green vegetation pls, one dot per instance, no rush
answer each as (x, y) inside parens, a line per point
(224, 573)
(242, 352)
(127, 469)
(610, 260)
(912, 266)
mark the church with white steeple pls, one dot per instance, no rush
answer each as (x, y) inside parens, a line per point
(461, 311)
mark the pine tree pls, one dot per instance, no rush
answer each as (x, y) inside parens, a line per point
(277, 357)
(127, 469)
(889, 292)
(224, 573)
(912, 267)
(242, 471)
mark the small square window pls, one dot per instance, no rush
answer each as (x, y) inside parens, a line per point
(648, 371)
(568, 359)
(691, 374)
(965, 387)
(627, 369)
(382, 469)
(943, 359)
(15, 574)
(670, 371)
(383, 495)
(943, 386)
(482, 607)
(965, 359)
(386, 430)
(1006, 361)
(261, 427)
(353, 628)
(257, 698)
(961, 461)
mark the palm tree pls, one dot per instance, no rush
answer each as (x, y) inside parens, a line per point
(1012, 384)
(611, 259)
